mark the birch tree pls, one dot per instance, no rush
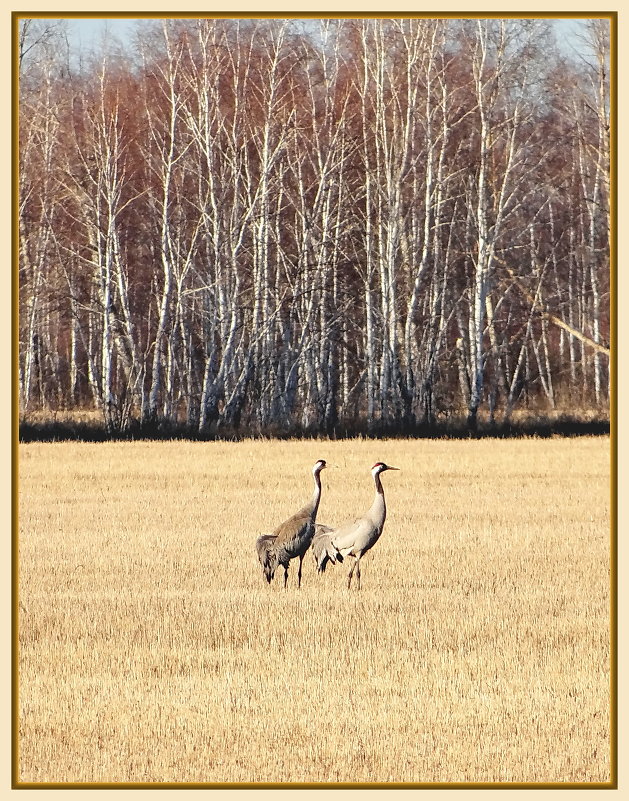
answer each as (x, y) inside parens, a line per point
(98, 193)
(164, 151)
(318, 152)
(41, 60)
(594, 176)
(503, 85)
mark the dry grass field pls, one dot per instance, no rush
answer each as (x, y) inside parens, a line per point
(477, 650)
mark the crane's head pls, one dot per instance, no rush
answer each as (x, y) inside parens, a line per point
(380, 467)
(318, 467)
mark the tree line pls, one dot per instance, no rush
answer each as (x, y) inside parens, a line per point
(281, 225)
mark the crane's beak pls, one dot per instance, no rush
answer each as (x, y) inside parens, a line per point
(393, 468)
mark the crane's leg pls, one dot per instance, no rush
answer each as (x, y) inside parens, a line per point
(301, 559)
(358, 572)
(285, 575)
(351, 573)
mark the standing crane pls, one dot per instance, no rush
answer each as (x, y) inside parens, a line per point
(356, 538)
(291, 538)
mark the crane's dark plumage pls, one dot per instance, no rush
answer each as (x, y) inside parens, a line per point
(292, 538)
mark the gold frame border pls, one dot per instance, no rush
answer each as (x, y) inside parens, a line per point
(612, 16)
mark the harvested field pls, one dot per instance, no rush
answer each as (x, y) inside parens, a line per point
(477, 650)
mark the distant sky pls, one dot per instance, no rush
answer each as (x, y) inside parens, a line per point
(86, 32)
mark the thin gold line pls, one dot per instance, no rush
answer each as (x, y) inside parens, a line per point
(613, 265)
(319, 785)
(15, 404)
(314, 15)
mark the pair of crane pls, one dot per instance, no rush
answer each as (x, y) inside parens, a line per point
(292, 538)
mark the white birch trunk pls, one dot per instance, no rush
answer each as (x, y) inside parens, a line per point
(167, 154)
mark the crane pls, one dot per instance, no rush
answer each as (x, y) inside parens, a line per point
(291, 538)
(356, 538)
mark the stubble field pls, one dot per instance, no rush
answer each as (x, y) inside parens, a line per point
(477, 650)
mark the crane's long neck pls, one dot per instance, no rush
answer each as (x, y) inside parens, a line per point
(378, 511)
(316, 497)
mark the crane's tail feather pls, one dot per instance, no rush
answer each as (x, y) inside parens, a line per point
(266, 555)
(322, 548)
(263, 545)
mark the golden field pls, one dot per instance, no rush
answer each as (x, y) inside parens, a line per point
(477, 650)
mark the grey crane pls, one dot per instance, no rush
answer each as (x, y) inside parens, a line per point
(322, 548)
(356, 538)
(292, 538)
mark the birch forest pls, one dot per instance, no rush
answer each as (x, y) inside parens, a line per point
(314, 226)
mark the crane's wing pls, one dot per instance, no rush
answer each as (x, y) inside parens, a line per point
(294, 536)
(353, 537)
(292, 527)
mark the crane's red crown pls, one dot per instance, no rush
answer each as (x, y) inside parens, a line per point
(382, 466)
